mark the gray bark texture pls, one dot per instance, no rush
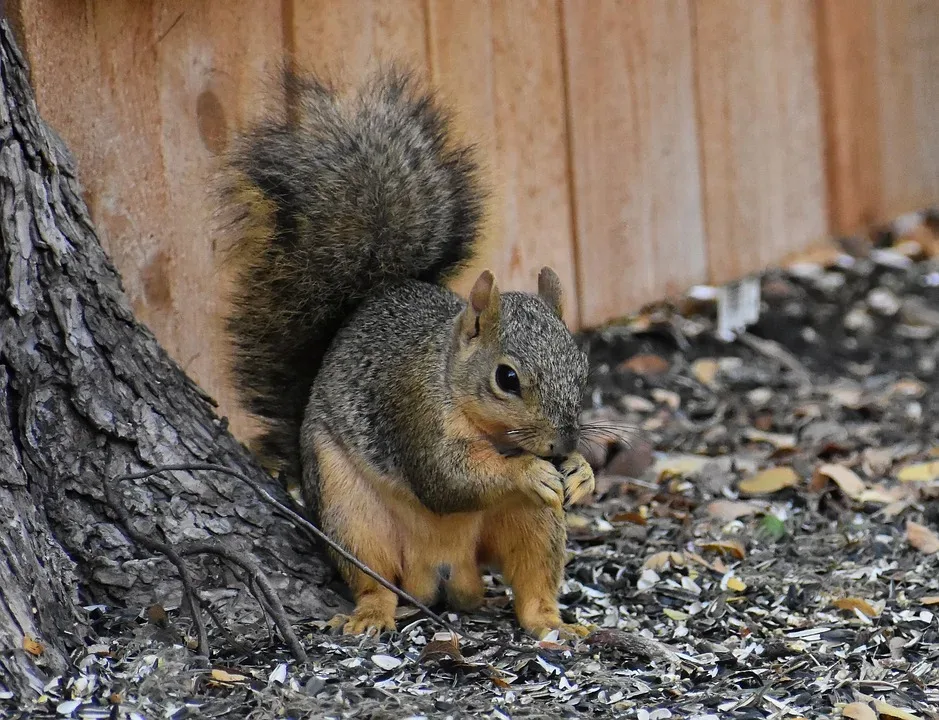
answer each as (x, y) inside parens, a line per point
(87, 395)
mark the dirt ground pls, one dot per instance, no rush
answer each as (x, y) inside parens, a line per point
(762, 545)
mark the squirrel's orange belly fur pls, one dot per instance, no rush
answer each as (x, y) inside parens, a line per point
(387, 528)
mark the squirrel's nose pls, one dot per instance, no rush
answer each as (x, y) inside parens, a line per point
(566, 442)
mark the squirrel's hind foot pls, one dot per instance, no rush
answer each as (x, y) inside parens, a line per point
(566, 631)
(363, 621)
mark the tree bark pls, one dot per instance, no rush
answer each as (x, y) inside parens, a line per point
(87, 395)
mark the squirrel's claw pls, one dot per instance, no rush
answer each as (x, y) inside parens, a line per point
(578, 479)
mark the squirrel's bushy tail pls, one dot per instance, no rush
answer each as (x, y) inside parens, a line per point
(349, 193)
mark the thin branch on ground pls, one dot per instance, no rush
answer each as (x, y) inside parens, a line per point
(257, 576)
(190, 594)
(773, 349)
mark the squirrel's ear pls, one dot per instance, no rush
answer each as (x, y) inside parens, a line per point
(550, 290)
(482, 310)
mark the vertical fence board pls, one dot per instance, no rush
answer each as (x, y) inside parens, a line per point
(216, 70)
(532, 146)
(459, 31)
(760, 126)
(924, 45)
(104, 103)
(347, 38)
(896, 90)
(907, 38)
(635, 152)
(881, 93)
(146, 97)
(500, 63)
(848, 56)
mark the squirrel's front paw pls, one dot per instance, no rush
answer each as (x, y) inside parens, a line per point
(544, 483)
(578, 478)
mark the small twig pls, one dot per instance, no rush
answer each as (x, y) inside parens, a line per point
(229, 635)
(274, 606)
(773, 349)
(190, 594)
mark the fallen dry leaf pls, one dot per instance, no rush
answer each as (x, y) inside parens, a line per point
(679, 466)
(728, 510)
(443, 647)
(226, 677)
(779, 441)
(705, 370)
(157, 615)
(856, 603)
(645, 365)
(929, 600)
(919, 472)
(769, 481)
(858, 711)
(33, 646)
(922, 538)
(884, 494)
(634, 517)
(889, 711)
(694, 557)
(876, 461)
(731, 547)
(736, 584)
(845, 478)
(662, 559)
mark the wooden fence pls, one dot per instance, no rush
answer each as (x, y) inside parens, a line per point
(638, 146)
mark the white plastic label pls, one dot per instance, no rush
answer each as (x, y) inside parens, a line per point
(738, 305)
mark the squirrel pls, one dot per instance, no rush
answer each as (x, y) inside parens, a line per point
(433, 436)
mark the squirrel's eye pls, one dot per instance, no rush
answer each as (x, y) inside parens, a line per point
(507, 380)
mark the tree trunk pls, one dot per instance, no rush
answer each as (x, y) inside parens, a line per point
(87, 395)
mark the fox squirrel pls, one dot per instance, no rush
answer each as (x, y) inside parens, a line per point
(431, 436)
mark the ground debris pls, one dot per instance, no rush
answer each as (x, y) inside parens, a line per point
(763, 543)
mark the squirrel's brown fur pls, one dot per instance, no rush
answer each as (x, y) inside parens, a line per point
(432, 435)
